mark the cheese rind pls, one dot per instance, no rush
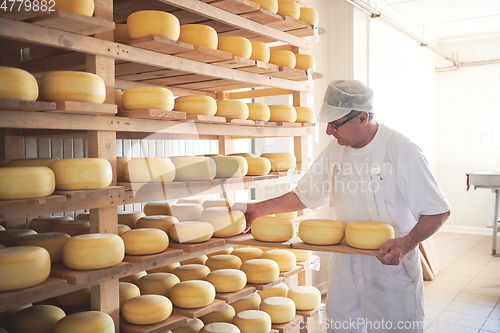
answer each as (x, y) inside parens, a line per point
(258, 111)
(285, 259)
(149, 169)
(191, 232)
(208, 203)
(157, 208)
(368, 235)
(273, 229)
(85, 322)
(10, 236)
(305, 114)
(199, 35)
(17, 83)
(162, 222)
(321, 231)
(282, 58)
(226, 222)
(82, 173)
(148, 98)
(305, 297)
(84, 7)
(147, 309)
(192, 294)
(285, 113)
(196, 104)
(220, 327)
(289, 8)
(227, 280)
(72, 86)
(239, 46)
(191, 272)
(281, 161)
(260, 270)
(153, 23)
(232, 109)
(145, 241)
(36, 319)
(258, 166)
(126, 291)
(280, 309)
(47, 223)
(53, 242)
(269, 5)
(309, 15)
(192, 326)
(196, 260)
(73, 227)
(157, 283)
(280, 289)
(223, 261)
(252, 321)
(305, 61)
(260, 51)
(194, 168)
(250, 302)
(120, 34)
(230, 166)
(224, 314)
(23, 267)
(187, 211)
(129, 218)
(26, 182)
(247, 253)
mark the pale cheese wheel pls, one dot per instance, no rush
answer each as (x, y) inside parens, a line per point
(26, 182)
(305, 114)
(85, 322)
(123, 228)
(72, 86)
(84, 7)
(192, 294)
(273, 229)
(126, 291)
(196, 260)
(230, 166)
(47, 223)
(192, 326)
(147, 309)
(157, 208)
(226, 222)
(280, 289)
(191, 232)
(73, 227)
(305, 297)
(133, 278)
(260, 270)
(223, 251)
(227, 280)
(309, 15)
(224, 314)
(149, 169)
(129, 217)
(223, 261)
(196, 104)
(286, 260)
(191, 272)
(289, 8)
(165, 269)
(368, 235)
(120, 167)
(194, 168)
(187, 211)
(45, 162)
(191, 200)
(148, 98)
(239, 46)
(157, 283)
(305, 61)
(153, 23)
(145, 241)
(280, 309)
(9, 237)
(247, 154)
(232, 109)
(252, 321)
(120, 34)
(260, 51)
(301, 255)
(23, 267)
(208, 203)
(36, 319)
(80, 298)
(17, 83)
(250, 302)
(220, 328)
(283, 58)
(82, 173)
(285, 113)
(247, 253)
(199, 35)
(288, 215)
(269, 5)
(321, 231)
(258, 111)
(258, 166)
(93, 251)
(53, 242)
(281, 161)
(162, 222)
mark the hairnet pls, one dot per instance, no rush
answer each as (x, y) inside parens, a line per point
(343, 96)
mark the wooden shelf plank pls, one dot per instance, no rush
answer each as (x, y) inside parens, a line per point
(198, 312)
(15, 104)
(161, 44)
(236, 6)
(205, 119)
(154, 259)
(95, 109)
(288, 326)
(20, 13)
(60, 271)
(173, 321)
(205, 55)
(247, 239)
(9, 209)
(264, 286)
(73, 22)
(91, 194)
(152, 114)
(339, 248)
(292, 272)
(234, 296)
(198, 247)
(309, 313)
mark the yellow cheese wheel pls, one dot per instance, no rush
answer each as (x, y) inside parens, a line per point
(153, 23)
(258, 166)
(192, 294)
(289, 8)
(157, 208)
(72, 86)
(53, 242)
(368, 235)
(187, 211)
(251, 321)
(301, 255)
(258, 111)
(309, 15)
(85, 322)
(191, 272)
(194, 168)
(148, 98)
(239, 46)
(120, 167)
(321, 231)
(226, 223)
(84, 7)
(26, 182)
(285, 113)
(220, 328)
(305, 61)
(147, 309)
(17, 83)
(9, 237)
(127, 291)
(82, 173)
(247, 154)
(260, 270)
(75, 299)
(83, 216)
(280, 309)
(280, 290)
(305, 297)
(230, 166)
(93, 251)
(223, 261)
(269, 5)
(305, 114)
(281, 161)
(223, 251)
(284, 58)
(157, 283)
(285, 259)
(196, 104)
(31, 162)
(121, 33)
(260, 51)
(196, 260)
(232, 109)
(191, 232)
(227, 280)
(224, 315)
(123, 228)
(273, 229)
(288, 215)
(199, 35)
(149, 169)
(133, 278)
(250, 302)
(208, 203)
(129, 218)
(145, 241)
(47, 223)
(162, 222)
(192, 326)
(36, 319)
(164, 269)
(23, 267)
(247, 253)
(73, 227)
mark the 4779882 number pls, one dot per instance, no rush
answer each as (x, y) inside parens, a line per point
(27, 5)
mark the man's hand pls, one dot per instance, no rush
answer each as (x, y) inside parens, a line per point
(250, 211)
(394, 251)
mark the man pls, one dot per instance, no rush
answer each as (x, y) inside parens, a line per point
(369, 172)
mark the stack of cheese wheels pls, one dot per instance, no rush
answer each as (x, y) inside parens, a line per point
(148, 98)
(285, 113)
(191, 232)
(321, 231)
(162, 222)
(250, 302)
(187, 211)
(273, 229)
(280, 309)
(120, 34)
(199, 35)
(280, 289)
(285, 259)
(192, 294)
(120, 166)
(157, 283)
(305, 61)
(258, 111)
(87, 322)
(26, 182)
(194, 168)
(281, 161)
(252, 321)
(46, 162)
(147, 309)
(9, 237)
(309, 15)
(23, 267)
(47, 223)
(220, 328)
(36, 318)
(157, 208)
(17, 83)
(230, 166)
(76, 299)
(258, 166)
(368, 235)
(196, 104)
(126, 291)
(196, 260)
(224, 314)
(236, 45)
(247, 253)
(133, 278)
(129, 217)
(260, 51)
(93, 251)
(145, 241)
(208, 203)
(269, 5)
(283, 58)
(226, 222)
(260, 270)
(73, 227)
(53, 242)
(72, 86)
(289, 8)
(153, 23)
(191, 272)
(305, 114)
(149, 169)
(223, 261)
(84, 7)
(232, 109)
(227, 280)
(305, 297)
(82, 173)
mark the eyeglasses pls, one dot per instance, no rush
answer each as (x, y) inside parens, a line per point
(335, 127)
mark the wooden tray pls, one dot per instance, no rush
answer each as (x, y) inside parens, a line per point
(173, 321)
(152, 114)
(338, 248)
(234, 296)
(247, 239)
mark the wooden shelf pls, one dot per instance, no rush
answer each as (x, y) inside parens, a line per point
(198, 312)
(60, 271)
(288, 326)
(154, 259)
(234, 296)
(173, 321)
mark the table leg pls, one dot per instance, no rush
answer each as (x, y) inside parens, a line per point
(495, 221)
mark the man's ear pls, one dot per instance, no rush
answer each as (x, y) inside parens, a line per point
(364, 117)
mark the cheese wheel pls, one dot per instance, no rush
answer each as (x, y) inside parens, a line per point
(224, 314)
(286, 113)
(305, 297)
(120, 167)
(53, 242)
(47, 223)
(305, 61)
(17, 83)
(83, 216)
(133, 278)
(280, 289)
(269, 5)
(36, 319)
(250, 302)
(301, 255)
(305, 114)
(258, 111)
(288, 215)
(247, 253)
(192, 326)
(309, 15)
(72, 86)
(10, 236)
(236, 45)
(321, 231)
(226, 222)
(285, 259)
(164, 269)
(280, 309)
(123, 228)
(368, 235)
(157, 208)
(187, 211)
(196, 104)
(157, 283)
(148, 98)
(289, 8)
(208, 203)
(191, 200)
(191, 272)
(252, 321)
(258, 166)
(93, 251)
(284, 58)
(73, 227)
(82, 173)
(162, 222)
(281, 161)
(26, 182)
(230, 166)
(145, 241)
(196, 260)
(220, 328)
(147, 309)
(45, 162)
(260, 51)
(153, 23)
(232, 109)
(223, 261)
(191, 232)
(85, 322)
(273, 229)
(199, 35)
(227, 280)
(149, 169)
(129, 218)
(194, 168)
(76, 299)
(192, 294)
(260, 270)
(127, 291)
(23, 267)
(84, 7)
(120, 33)
(223, 251)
